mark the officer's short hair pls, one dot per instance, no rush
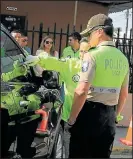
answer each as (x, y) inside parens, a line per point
(109, 31)
(84, 40)
(14, 32)
(75, 35)
(23, 35)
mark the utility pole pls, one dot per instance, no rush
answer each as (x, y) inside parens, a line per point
(75, 15)
(127, 19)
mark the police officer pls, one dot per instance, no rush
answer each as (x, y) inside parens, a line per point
(72, 51)
(69, 72)
(25, 130)
(104, 73)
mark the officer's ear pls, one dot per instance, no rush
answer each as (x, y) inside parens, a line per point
(99, 33)
(100, 30)
(76, 40)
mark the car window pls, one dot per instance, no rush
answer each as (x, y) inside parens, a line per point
(10, 52)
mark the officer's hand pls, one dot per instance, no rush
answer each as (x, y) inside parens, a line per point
(118, 118)
(67, 126)
(32, 60)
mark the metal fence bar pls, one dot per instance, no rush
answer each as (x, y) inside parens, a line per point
(80, 27)
(40, 34)
(32, 49)
(67, 34)
(54, 36)
(48, 32)
(26, 28)
(60, 43)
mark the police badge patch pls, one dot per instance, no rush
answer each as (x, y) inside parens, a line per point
(75, 78)
(85, 66)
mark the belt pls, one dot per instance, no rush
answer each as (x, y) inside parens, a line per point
(99, 105)
(104, 89)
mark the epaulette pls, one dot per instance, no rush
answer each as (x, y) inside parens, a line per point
(92, 48)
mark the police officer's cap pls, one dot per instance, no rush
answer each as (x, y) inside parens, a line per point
(96, 22)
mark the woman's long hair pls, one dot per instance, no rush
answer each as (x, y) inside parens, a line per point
(52, 50)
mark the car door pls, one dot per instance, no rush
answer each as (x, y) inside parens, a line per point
(10, 52)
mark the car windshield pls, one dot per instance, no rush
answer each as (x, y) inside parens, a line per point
(10, 52)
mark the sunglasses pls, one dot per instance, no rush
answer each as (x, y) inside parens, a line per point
(17, 38)
(48, 42)
(69, 39)
(25, 40)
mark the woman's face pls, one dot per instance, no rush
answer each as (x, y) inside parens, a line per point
(48, 43)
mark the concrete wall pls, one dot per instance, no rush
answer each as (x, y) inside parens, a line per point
(127, 112)
(49, 12)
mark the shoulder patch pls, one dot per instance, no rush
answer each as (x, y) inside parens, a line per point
(85, 66)
(75, 78)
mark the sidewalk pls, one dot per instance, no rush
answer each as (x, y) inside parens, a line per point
(120, 148)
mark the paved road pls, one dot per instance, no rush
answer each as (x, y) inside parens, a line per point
(122, 151)
(120, 133)
(121, 156)
(119, 153)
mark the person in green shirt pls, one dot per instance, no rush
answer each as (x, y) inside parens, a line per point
(69, 73)
(68, 69)
(72, 51)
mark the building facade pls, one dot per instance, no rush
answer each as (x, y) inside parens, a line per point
(48, 12)
(16, 14)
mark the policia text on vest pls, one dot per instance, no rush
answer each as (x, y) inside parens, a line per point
(115, 65)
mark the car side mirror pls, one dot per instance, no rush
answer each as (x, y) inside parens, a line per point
(51, 79)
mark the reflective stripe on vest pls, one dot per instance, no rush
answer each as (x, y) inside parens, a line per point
(104, 90)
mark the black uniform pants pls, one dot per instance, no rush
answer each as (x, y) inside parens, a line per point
(4, 131)
(92, 135)
(66, 139)
(25, 135)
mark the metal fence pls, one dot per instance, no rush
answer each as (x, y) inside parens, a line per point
(124, 44)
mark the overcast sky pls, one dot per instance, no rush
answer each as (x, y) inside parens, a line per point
(119, 20)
